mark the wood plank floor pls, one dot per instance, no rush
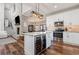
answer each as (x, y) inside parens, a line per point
(62, 49)
(16, 48)
(57, 48)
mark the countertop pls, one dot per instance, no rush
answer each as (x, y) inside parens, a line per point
(58, 31)
(37, 33)
(34, 33)
(71, 31)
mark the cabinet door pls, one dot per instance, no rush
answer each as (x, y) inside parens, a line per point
(71, 21)
(49, 38)
(66, 37)
(29, 45)
(71, 38)
(74, 38)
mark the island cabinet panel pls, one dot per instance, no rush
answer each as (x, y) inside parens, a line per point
(29, 45)
(34, 43)
(49, 38)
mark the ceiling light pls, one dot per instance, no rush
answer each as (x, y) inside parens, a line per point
(36, 13)
(55, 6)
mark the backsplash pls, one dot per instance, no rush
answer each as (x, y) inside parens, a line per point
(72, 28)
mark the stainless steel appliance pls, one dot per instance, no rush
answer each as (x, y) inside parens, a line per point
(40, 43)
(58, 33)
(59, 23)
(59, 28)
(44, 41)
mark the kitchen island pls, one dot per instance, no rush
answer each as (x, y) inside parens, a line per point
(35, 42)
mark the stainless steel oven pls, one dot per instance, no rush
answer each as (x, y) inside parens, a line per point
(58, 32)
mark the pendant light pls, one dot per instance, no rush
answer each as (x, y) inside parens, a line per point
(36, 13)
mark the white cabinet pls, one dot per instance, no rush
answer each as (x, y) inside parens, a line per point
(71, 38)
(71, 20)
(34, 42)
(49, 38)
(29, 45)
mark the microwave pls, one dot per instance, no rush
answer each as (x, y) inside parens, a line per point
(58, 23)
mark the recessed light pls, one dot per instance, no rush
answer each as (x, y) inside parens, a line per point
(55, 6)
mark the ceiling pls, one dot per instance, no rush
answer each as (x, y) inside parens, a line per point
(47, 8)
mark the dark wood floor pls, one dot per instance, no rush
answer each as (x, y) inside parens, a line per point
(57, 48)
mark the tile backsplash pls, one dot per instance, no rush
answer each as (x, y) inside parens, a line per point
(74, 28)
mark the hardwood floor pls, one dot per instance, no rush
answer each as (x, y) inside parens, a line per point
(16, 48)
(62, 49)
(57, 48)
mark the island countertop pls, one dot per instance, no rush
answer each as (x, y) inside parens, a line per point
(34, 33)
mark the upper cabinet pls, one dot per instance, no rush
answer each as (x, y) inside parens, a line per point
(69, 18)
(72, 17)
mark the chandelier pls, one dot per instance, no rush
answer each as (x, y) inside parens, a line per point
(36, 13)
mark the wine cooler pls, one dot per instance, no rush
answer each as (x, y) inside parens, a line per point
(40, 43)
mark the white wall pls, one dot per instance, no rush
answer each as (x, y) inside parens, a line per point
(12, 10)
(68, 17)
(24, 24)
(1, 17)
(25, 8)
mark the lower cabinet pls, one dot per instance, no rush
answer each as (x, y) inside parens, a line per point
(29, 44)
(49, 38)
(71, 38)
(34, 44)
